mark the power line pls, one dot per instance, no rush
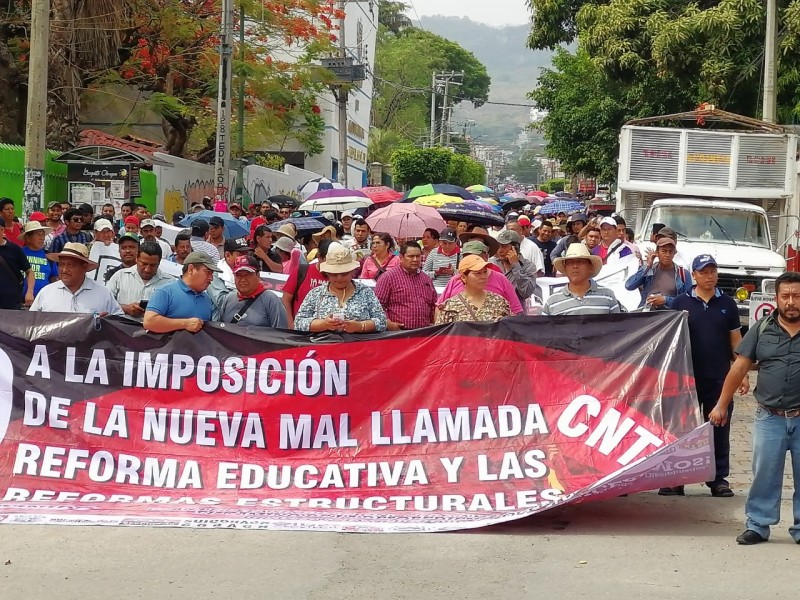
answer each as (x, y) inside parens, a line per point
(417, 90)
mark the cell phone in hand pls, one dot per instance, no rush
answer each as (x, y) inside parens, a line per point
(338, 316)
(143, 304)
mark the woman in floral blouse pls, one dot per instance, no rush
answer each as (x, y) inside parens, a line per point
(342, 304)
(474, 303)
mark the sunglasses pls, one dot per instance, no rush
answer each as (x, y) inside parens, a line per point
(77, 219)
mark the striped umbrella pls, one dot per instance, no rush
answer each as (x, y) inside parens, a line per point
(315, 185)
(565, 206)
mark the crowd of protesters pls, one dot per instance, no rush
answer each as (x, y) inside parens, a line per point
(484, 276)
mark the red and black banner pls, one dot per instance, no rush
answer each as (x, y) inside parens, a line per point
(438, 429)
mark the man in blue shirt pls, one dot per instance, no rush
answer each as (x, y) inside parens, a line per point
(715, 332)
(183, 304)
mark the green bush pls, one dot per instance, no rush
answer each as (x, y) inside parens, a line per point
(418, 166)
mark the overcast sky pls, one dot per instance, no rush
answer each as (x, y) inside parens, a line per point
(493, 12)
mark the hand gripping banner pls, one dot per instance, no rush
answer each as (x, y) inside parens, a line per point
(438, 429)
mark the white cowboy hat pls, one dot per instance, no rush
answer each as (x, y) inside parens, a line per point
(32, 226)
(73, 250)
(578, 251)
(339, 260)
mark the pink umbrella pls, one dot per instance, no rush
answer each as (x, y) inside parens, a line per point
(538, 193)
(381, 195)
(405, 220)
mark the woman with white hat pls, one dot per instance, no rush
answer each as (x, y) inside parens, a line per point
(342, 304)
(44, 271)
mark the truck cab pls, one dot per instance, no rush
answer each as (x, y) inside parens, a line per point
(736, 234)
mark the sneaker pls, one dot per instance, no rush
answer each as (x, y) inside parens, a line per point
(672, 491)
(750, 537)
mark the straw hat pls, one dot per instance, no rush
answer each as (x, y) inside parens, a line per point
(287, 230)
(32, 226)
(339, 260)
(328, 229)
(480, 232)
(578, 251)
(73, 250)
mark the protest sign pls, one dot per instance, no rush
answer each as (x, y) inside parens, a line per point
(437, 429)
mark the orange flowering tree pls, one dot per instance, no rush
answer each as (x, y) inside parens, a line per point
(169, 51)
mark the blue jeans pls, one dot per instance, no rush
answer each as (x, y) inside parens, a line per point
(773, 436)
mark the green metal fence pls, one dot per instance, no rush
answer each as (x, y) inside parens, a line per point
(12, 178)
(12, 175)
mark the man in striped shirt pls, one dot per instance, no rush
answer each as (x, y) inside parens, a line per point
(581, 296)
(442, 263)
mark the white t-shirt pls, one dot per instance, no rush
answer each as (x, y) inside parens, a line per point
(531, 252)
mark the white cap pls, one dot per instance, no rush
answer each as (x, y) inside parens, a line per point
(347, 213)
(102, 225)
(608, 221)
(147, 223)
(536, 224)
(328, 215)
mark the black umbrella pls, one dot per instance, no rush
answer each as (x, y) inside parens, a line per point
(282, 200)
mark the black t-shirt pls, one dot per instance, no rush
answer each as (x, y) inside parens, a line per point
(710, 327)
(11, 277)
(546, 248)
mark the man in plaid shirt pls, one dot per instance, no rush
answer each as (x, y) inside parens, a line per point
(406, 293)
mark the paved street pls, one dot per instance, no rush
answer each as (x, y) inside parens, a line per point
(642, 546)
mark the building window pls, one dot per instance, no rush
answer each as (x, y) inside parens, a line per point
(358, 104)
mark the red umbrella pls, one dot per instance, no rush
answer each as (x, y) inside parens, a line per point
(381, 194)
(538, 193)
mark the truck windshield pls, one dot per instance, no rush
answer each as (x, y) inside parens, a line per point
(720, 225)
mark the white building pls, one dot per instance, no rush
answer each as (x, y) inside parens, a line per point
(361, 30)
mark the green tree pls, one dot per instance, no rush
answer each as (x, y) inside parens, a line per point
(417, 166)
(382, 144)
(391, 15)
(404, 64)
(526, 168)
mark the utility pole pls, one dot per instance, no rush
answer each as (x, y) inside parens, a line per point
(444, 134)
(240, 111)
(342, 99)
(769, 110)
(433, 109)
(36, 117)
(222, 157)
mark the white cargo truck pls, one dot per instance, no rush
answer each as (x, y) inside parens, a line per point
(728, 188)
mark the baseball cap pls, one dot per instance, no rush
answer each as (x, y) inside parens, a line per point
(246, 264)
(474, 247)
(102, 225)
(347, 213)
(665, 241)
(148, 223)
(536, 224)
(235, 246)
(201, 258)
(448, 235)
(54, 203)
(667, 232)
(608, 221)
(37, 216)
(178, 215)
(132, 237)
(511, 216)
(130, 219)
(216, 221)
(508, 237)
(701, 261)
(471, 263)
(199, 227)
(524, 221)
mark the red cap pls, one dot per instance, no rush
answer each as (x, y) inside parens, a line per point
(255, 223)
(38, 216)
(132, 219)
(524, 221)
(245, 263)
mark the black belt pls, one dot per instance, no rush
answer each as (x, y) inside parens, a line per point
(789, 414)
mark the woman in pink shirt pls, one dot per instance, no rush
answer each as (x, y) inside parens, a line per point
(381, 259)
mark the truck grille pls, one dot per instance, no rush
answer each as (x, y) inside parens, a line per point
(730, 283)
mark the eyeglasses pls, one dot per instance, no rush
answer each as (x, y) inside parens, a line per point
(77, 219)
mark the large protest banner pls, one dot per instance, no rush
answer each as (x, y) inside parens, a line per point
(439, 429)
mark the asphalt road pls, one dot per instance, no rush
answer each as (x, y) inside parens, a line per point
(639, 547)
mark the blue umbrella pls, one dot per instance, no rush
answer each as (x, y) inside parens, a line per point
(234, 228)
(565, 206)
(303, 225)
